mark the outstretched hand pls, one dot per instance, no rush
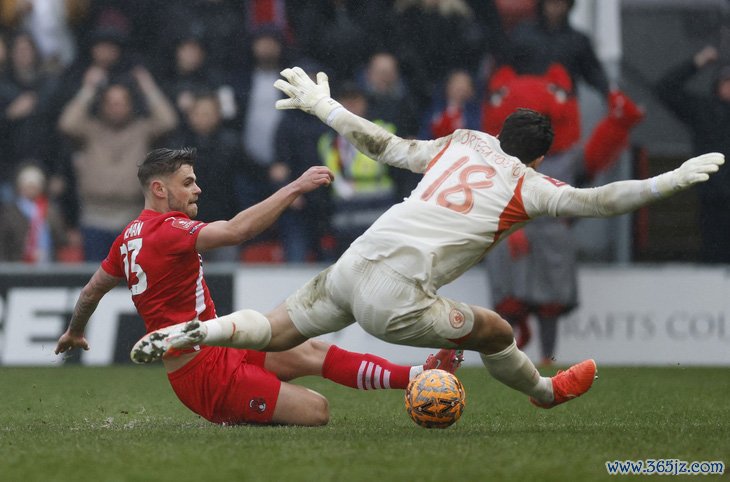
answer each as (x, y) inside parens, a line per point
(304, 94)
(313, 178)
(68, 342)
(697, 169)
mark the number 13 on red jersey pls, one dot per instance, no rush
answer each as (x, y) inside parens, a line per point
(130, 250)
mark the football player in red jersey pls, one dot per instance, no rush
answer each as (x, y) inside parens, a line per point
(158, 254)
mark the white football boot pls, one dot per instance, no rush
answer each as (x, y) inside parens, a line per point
(153, 346)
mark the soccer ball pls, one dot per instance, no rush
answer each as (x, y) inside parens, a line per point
(435, 399)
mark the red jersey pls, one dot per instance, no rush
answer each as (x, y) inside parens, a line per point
(156, 254)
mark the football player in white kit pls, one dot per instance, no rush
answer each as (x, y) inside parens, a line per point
(471, 195)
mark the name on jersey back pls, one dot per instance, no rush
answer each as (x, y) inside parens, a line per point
(134, 230)
(481, 146)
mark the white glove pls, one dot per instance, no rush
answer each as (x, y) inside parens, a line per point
(305, 94)
(692, 171)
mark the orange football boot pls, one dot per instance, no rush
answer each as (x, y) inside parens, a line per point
(571, 383)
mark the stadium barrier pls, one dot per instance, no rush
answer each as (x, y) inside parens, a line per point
(632, 315)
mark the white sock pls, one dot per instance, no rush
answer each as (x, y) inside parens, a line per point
(513, 368)
(241, 329)
(415, 371)
(215, 332)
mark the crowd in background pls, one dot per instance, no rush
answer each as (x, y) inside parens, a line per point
(88, 87)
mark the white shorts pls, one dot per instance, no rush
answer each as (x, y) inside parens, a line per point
(385, 303)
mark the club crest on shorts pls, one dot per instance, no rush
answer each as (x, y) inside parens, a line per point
(257, 405)
(456, 318)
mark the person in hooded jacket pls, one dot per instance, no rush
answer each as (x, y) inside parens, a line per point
(708, 119)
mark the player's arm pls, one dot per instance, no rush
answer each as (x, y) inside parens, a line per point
(618, 197)
(250, 222)
(99, 285)
(369, 138)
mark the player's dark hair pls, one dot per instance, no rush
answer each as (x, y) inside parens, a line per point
(163, 162)
(526, 135)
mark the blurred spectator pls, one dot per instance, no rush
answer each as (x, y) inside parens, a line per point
(457, 107)
(139, 21)
(260, 120)
(513, 12)
(303, 225)
(220, 24)
(341, 34)
(111, 144)
(362, 189)
(389, 99)
(49, 22)
(261, 13)
(219, 157)
(708, 119)
(434, 37)
(31, 227)
(25, 91)
(389, 96)
(107, 52)
(535, 45)
(106, 49)
(493, 23)
(190, 74)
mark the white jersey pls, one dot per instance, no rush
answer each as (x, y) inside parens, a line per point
(471, 195)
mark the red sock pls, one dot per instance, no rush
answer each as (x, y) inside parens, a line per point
(363, 370)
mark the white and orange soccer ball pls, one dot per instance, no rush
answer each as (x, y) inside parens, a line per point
(435, 399)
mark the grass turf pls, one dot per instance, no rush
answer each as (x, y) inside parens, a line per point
(124, 423)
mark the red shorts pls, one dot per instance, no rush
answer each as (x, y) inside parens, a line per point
(227, 385)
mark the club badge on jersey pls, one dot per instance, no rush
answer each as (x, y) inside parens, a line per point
(188, 225)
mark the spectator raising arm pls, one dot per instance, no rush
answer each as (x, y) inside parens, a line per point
(162, 114)
(76, 118)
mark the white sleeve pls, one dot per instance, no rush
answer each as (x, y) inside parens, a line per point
(379, 144)
(543, 196)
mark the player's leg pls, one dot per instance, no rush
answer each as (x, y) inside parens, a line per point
(267, 400)
(492, 337)
(450, 323)
(230, 386)
(516, 312)
(362, 371)
(399, 311)
(251, 330)
(298, 405)
(241, 329)
(312, 305)
(311, 311)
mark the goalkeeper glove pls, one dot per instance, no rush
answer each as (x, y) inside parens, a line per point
(692, 171)
(304, 94)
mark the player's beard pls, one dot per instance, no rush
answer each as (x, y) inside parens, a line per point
(188, 208)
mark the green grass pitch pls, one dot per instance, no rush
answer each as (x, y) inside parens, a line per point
(124, 424)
